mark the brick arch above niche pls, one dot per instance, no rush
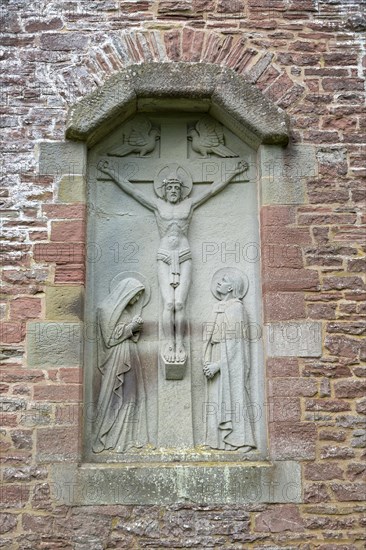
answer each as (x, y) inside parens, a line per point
(201, 87)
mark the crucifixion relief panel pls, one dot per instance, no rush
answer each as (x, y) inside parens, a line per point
(175, 362)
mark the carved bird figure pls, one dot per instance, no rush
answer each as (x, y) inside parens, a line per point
(208, 137)
(140, 137)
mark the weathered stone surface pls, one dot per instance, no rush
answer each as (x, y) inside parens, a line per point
(64, 303)
(7, 523)
(52, 344)
(283, 518)
(61, 158)
(71, 189)
(293, 339)
(25, 473)
(222, 484)
(293, 440)
(284, 173)
(259, 120)
(57, 444)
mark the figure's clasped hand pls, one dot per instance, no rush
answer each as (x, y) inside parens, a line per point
(210, 369)
(136, 324)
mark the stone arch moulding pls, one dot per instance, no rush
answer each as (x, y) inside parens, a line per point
(201, 87)
(198, 88)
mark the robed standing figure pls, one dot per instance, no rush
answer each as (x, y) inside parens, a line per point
(121, 412)
(226, 363)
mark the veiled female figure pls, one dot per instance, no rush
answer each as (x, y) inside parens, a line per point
(121, 413)
(226, 363)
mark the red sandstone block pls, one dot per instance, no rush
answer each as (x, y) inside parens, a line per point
(322, 472)
(338, 84)
(12, 332)
(73, 375)
(281, 255)
(25, 308)
(14, 496)
(321, 311)
(356, 471)
(342, 346)
(277, 215)
(350, 388)
(357, 328)
(341, 283)
(358, 266)
(13, 375)
(203, 5)
(59, 393)
(38, 235)
(286, 235)
(37, 524)
(278, 89)
(292, 440)
(340, 59)
(8, 420)
(282, 366)
(192, 44)
(70, 231)
(347, 492)
(332, 435)
(36, 25)
(59, 253)
(321, 196)
(317, 492)
(308, 46)
(271, 5)
(265, 80)
(63, 211)
(280, 306)
(289, 280)
(71, 413)
(296, 387)
(58, 443)
(341, 453)
(279, 519)
(70, 274)
(71, 41)
(284, 410)
(329, 405)
(326, 219)
(172, 41)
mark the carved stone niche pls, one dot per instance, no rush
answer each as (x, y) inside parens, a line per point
(174, 365)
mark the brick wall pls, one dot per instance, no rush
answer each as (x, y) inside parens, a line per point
(306, 56)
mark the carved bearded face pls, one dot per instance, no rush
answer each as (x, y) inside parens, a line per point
(173, 191)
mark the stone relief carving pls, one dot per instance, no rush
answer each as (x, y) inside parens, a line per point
(207, 137)
(173, 209)
(139, 136)
(121, 420)
(226, 365)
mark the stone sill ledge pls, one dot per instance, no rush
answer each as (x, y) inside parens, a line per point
(200, 483)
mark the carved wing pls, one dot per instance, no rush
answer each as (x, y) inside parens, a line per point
(210, 136)
(140, 130)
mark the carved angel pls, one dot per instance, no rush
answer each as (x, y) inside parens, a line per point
(140, 136)
(208, 137)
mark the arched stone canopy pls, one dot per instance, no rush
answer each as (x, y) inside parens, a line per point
(201, 87)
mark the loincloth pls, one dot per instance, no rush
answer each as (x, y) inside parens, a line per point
(174, 258)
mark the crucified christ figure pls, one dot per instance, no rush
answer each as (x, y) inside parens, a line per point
(173, 212)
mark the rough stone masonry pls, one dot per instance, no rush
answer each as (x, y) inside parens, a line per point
(307, 57)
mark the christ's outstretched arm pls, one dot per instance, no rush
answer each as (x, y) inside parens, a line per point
(126, 185)
(218, 186)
